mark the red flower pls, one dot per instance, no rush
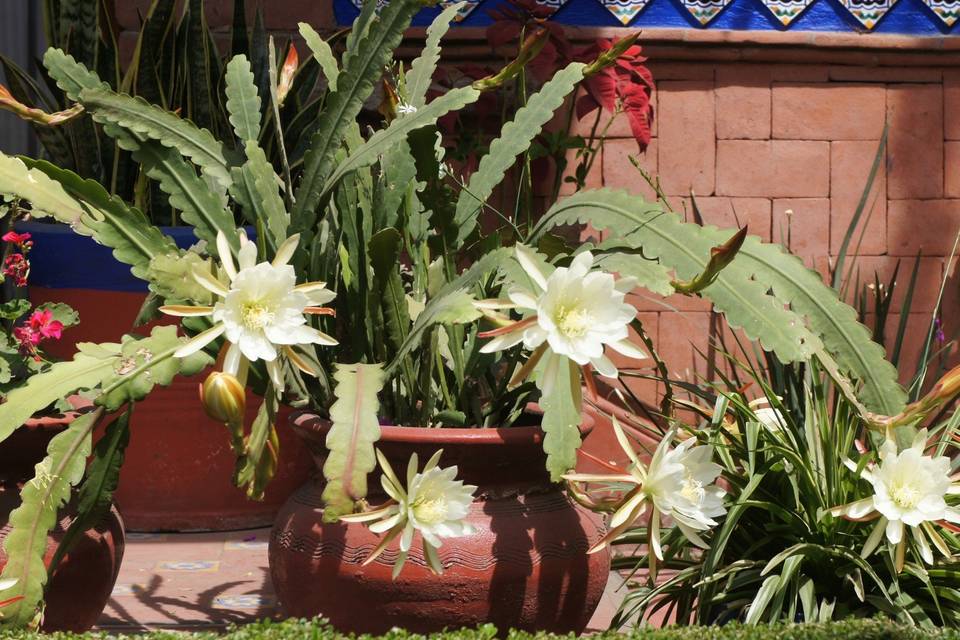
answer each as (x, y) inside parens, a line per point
(626, 84)
(16, 266)
(22, 240)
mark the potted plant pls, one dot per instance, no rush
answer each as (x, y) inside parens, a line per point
(373, 297)
(194, 492)
(80, 584)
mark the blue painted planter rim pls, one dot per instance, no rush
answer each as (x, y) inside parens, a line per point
(63, 259)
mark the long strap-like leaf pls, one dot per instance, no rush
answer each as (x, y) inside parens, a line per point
(515, 138)
(741, 289)
(354, 430)
(41, 498)
(422, 69)
(155, 123)
(322, 52)
(367, 153)
(243, 103)
(107, 218)
(362, 67)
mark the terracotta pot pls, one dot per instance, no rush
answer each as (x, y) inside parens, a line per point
(178, 470)
(81, 585)
(525, 568)
(179, 465)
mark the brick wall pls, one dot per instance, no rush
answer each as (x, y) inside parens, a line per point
(787, 149)
(776, 131)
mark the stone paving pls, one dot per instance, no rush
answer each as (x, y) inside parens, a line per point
(194, 581)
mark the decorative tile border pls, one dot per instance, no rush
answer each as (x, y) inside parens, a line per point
(907, 17)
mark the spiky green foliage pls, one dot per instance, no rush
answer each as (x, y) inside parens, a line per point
(751, 292)
(421, 72)
(362, 67)
(243, 103)
(515, 138)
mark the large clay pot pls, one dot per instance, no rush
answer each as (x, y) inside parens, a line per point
(526, 567)
(183, 484)
(81, 585)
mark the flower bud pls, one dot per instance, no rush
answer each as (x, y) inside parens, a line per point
(223, 397)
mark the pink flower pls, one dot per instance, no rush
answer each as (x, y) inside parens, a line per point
(39, 326)
(42, 322)
(16, 238)
(16, 266)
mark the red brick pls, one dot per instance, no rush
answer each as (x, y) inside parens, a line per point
(951, 95)
(850, 164)
(927, 225)
(828, 111)
(799, 73)
(630, 369)
(885, 74)
(951, 168)
(679, 334)
(680, 70)
(687, 138)
(805, 230)
(619, 172)
(915, 153)
(734, 213)
(914, 338)
(773, 168)
(743, 102)
(865, 268)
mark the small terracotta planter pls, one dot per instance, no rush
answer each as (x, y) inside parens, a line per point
(184, 483)
(525, 568)
(81, 585)
(178, 469)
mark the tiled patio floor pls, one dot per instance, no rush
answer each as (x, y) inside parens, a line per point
(209, 580)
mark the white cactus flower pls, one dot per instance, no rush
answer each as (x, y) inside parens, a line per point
(575, 313)
(678, 483)
(910, 491)
(262, 311)
(433, 503)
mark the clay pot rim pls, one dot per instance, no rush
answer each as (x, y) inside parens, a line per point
(60, 421)
(315, 426)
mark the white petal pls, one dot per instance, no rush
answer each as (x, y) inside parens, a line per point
(527, 259)
(275, 371)
(874, 539)
(581, 264)
(231, 360)
(406, 540)
(505, 341)
(247, 256)
(627, 348)
(655, 534)
(521, 298)
(226, 256)
(286, 250)
(208, 282)
(925, 551)
(199, 341)
(604, 367)
(894, 531)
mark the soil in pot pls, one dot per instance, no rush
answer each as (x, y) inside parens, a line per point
(81, 585)
(526, 567)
